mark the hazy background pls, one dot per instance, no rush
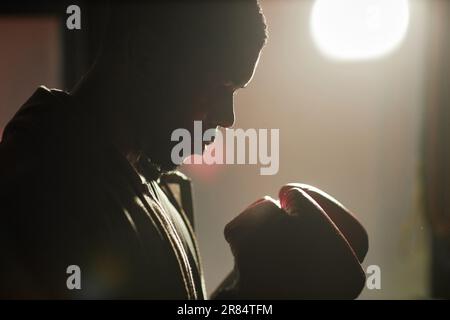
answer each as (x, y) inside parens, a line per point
(352, 129)
(30, 55)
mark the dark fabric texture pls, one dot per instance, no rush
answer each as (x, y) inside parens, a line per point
(68, 197)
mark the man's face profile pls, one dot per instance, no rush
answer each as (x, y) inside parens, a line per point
(194, 84)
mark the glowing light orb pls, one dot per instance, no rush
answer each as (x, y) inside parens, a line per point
(358, 29)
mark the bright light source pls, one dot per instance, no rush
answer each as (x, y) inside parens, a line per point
(359, 29)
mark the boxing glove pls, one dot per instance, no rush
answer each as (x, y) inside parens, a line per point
(292, 249)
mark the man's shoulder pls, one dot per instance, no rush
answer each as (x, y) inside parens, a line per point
(43, 164)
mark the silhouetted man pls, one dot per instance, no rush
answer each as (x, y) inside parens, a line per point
(80, 174)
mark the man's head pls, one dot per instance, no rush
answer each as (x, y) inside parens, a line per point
(180, 61)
